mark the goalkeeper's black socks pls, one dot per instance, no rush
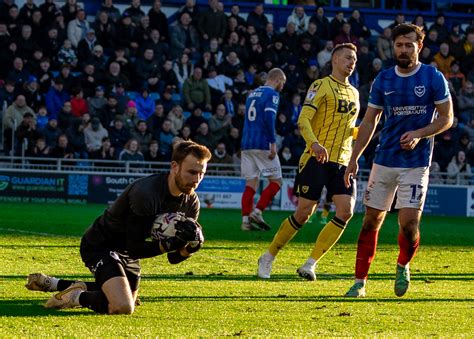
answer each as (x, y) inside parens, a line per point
(63, 284)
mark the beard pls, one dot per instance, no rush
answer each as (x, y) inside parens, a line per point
(182, 186)
(404, 62)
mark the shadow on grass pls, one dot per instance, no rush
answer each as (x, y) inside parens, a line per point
(224, 276)
(34, 308)
(290, 298)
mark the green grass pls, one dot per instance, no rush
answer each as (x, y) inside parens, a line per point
(215, 293)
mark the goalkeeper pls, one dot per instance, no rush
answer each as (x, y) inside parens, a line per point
(112, 246)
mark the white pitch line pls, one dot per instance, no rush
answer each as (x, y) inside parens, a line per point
(14, 230)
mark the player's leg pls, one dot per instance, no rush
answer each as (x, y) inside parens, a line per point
(411, 198)
(344, 199)
(378, 198)
(251, 173)
(46, 283)
(308, 189)
(271, 169)
(288, 229)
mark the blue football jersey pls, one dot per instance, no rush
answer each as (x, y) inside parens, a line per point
(408, 102)
(260, 116)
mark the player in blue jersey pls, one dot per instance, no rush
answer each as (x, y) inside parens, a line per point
(259, 152)
(416, 105)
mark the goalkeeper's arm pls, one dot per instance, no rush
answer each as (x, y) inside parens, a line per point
(188, 250)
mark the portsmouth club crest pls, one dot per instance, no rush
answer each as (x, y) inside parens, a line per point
(420, 91)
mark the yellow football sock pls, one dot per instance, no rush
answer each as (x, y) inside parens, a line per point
(288, 228)
(325, 212)
(328, 236)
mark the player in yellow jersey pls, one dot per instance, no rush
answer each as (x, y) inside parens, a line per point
(327, 123)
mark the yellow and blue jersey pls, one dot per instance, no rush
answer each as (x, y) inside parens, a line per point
(260, 116)
(409, 103)
(328, 116)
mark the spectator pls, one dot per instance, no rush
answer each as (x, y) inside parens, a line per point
(364, 62)
(131, 116)
(77, 28)
(118, 135)
(185, 133)
(105, 152)
(293, 110)
(195, 120)
(7, 94)
(40, 149)
(466, 146)
(212, 23)
(233, 141)
(358, 26)
(48, 10)
(204, 137)
(183, 68)
(419, 21)
(287, 159)
(96, 104)
(155, 121)
(125, 35)
(160, 48)
(51, 44)
(63, 150)
(25, 43)
(114, 76)
(444, 150)
(131, 152)
(266, 37)
(18, 74)
(184, 38)
(217, 85)
(124, 62)
(385, 47)
(289, 37)
(168, 81)
(166, 140)
(153, 153)
(231, 65)
(335, 26)
(215, 51)
(444, 59)
(134, 11)
(78, 103)
(220, 123)
(191, 9)
(105, 31)
(51, 133)
(77, 141)
(312, 35)
(456, 46)
(466, 103)
(55, 98)
(440, 26)
(346, 36)
(324, 56)
(94, 133)
(41, 118)
(26, 133)
(121, 97)
(69, 10)
(67, 55)
(147, 71)
(89, 80)
(399, 19)
(108, 7)
(221, 157)
(235, 14)
(299, 18)
(234, 45)
(196, 91)
(142, 135)
(435, 175)
(68, 79)
(85, 47)
(177, 119)
(456, 77)
(12, 118)
(31, 92)
(145, 104)
(257, 18)
(459, 171)
(159, 21)
(431, 41)
(142, 32)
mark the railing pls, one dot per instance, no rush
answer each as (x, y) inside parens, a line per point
(140, 168)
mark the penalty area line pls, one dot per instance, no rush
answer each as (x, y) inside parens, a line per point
(14, 230)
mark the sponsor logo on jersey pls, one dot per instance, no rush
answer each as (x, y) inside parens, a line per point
(420, 91)
(305, 189)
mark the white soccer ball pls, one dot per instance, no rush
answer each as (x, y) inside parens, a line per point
(164, 225)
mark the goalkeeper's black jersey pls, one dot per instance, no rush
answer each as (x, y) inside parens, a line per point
(127, 223)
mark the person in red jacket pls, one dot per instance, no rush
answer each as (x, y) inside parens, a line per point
(78, 103)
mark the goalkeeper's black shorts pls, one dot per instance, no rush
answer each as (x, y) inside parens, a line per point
(105, 264)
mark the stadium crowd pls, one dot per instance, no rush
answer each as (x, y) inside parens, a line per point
(124, 85)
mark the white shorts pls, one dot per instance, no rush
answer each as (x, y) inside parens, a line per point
(410, 185)
(255, 162)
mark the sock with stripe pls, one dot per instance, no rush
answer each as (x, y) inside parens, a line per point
(267, 195)
(328, 236)
(247, 200)
(366, 248)
(407, 248)
(288, 228)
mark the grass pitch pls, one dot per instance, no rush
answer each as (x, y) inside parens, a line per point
(215, 293)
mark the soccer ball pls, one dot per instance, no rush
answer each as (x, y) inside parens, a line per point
(164, 226)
